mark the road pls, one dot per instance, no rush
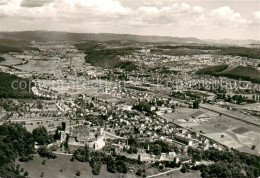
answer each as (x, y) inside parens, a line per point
(4, 118)
(113, 135)
(59, 153)
(163, 173)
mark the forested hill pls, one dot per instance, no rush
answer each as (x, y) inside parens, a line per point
(9, 87)
(97, 55)
(15, 141)
(11, 45)
(239, 72)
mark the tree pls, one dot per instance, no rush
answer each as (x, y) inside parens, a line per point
(111, 166)
(66, 145)
(57, 135)
(63, 125)
(135, 150)
(96, 164)
(45, 152)
(185, 168)
(195, 105)
(82, 154)
(139, 172)
(40, 135)
(229, 99)
(15, 141)
(121, 166)
(132, 140)
(139, 159)
(239, 99)
(173, 163)
(78, 173)
(26, 173)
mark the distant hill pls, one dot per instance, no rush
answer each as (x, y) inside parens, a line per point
(237, 42)
(239, 72)
(65, 36)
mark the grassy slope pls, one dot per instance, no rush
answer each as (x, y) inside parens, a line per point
(69, 168)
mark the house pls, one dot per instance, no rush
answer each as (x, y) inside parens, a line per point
(196, 114)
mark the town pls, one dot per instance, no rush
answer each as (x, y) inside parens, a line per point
(157, 113)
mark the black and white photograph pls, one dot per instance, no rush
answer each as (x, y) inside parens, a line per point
(129, 88)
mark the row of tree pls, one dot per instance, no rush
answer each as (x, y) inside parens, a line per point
(226, 163)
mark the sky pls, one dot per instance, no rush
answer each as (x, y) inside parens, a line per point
(204, 19)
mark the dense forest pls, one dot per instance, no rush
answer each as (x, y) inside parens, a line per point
(226, 163)
(15, 141)
(10, 88)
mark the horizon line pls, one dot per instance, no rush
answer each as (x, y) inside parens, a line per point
(130, 34)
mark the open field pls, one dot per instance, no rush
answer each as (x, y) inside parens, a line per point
(10, 60)
(40, 67)
(237, 134)
(228, 127)
(179, 114)
(108, 98)
(50, 123)
(249, 107)
(241, 142)
(238, 115)
(206, 128)
(52, 168)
